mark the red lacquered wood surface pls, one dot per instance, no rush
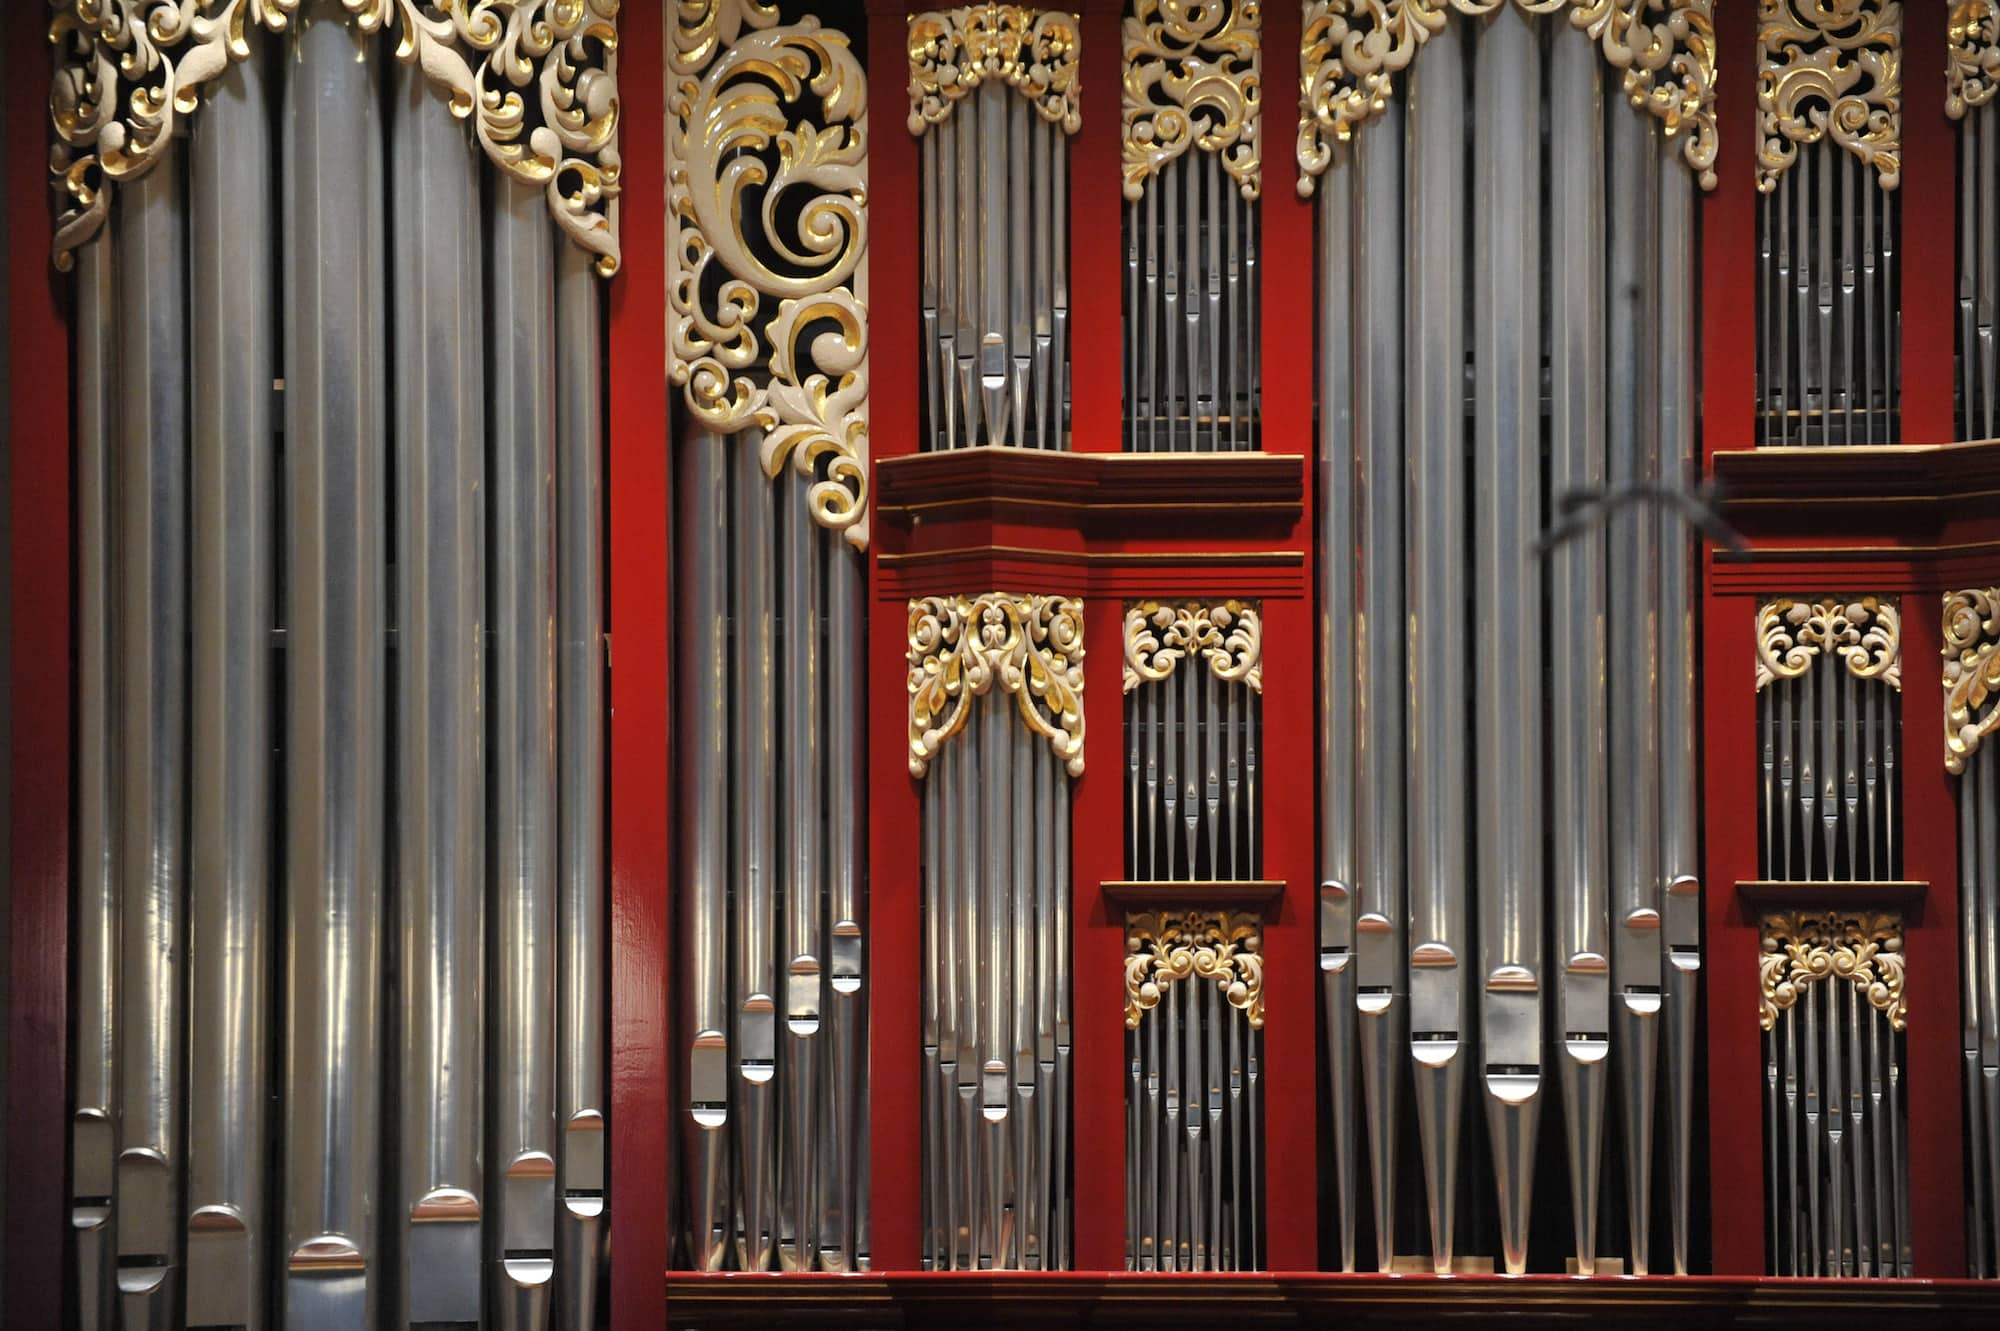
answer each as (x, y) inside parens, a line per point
(640, 786)
(1930, 231)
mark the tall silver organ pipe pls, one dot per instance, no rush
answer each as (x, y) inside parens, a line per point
(772, 927)
(1972, 717)
(149, 633)
(1829, 673)
(993, 162)
(336, 446)
(1835, 1106)
(322, 1036)
(1546, 261)
(234, 611)
(1828, 301)
(995, 764)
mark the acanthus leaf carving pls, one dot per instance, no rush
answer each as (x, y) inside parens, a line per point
(1971, 673)
(1865, 632)
(1031, 646)
(1801, 948)
(1829, 69)
(1164, 948)
(1033, 51)
(1229, 636)
(1351, 52)
(768, 192)
(1193, 78)
(1972, 70)
(537, 79)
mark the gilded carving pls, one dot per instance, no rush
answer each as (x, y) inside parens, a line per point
(1352, 50)
(1971, 672)
(1801, 948)
(1165, 947)
(1032, 51)
(537, 79)
(1193, 79)
(1228, 635)
(768, 192)
(1031, 646)
(1866, 633)
(1973, 68)
(1829, 68)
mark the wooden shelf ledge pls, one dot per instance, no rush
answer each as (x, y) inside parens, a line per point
(1257, 894)
(1832, 896)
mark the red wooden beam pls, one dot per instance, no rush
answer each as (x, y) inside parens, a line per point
(1929, 232)
(1096, 238)
(1729, 243)
(639, 793)
(1285, 256)
(39, 700)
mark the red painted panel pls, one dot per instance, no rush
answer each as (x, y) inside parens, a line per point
(38, 805)
(1286, 256)
(1729, 244)
(639, 790)
(1930, 232)
(1096, 240)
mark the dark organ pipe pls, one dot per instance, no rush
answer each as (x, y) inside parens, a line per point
(234, 610)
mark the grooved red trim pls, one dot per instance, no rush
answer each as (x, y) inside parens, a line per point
(38, 801)
(639, 791)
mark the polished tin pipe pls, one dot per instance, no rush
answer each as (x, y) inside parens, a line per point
(335, 580)
(843, 1234)
(801, 790)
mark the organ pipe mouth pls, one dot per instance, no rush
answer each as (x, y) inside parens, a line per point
(326, 1255)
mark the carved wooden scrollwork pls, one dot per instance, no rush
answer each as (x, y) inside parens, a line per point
(1801, 948)
(1033, 51)
(1866, 633)
(1166, 947)
(1030, 646)
(1193, 80)
(1829, 69)
(1228, 635)
(1971, 672)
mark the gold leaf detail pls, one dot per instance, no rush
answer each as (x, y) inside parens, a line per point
(1229, 636)
(1829, 68)
(1801, 948)
(1165, 947)
(1973, 69)
(1032, 646)
(537, 78)
(768, 190)
(1351, 51)
(1032, 51)
(1866, 633)
(1193, 78)
(1971, 672)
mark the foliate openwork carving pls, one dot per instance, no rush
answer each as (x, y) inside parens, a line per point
(537, 79)
(1229, 636)
(1193, 79)
(1866, 633)
(1352, 50)
(1971, 672)
(1802, 948)
(1030, 646)
(1165, 947)
(1032, 51)
(768, 190)
(1829, 68)
(1973, 71)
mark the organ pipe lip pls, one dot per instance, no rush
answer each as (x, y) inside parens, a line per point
(1433, 954)
(445, 1204)
(328, 1254)
(1643, 918)
(1511, 980)
(217, 1219)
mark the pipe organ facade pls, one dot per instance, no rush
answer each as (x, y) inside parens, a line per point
(1497, 493)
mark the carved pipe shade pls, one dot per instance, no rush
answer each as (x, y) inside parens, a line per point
(1031, 646)
(1032, 51)
(1802, 948)
(1194, 78)
(1224, 948)
(1866, 633)
(1971, 672)
(1229, 636)
(1829, 68)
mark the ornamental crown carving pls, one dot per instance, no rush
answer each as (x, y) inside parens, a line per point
(1352, 50)
(1802, 948)
(1865, 633)
(1193, 79)
(1164, 948)
(1032, 51)
(1971, 672)
(1030, 646)
(1228, 635)
(537, 79)
(767, 194)
(1829, 69)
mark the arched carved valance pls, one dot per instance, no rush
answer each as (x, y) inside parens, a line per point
(1031, 646)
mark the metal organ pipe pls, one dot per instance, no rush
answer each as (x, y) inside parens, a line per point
(234, 610)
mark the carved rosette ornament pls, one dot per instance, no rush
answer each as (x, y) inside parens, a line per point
(768, 192)
(1229, 636)
(1032, 51)
(1866, 633)
(1829, 68)
(1973, 68)
(538, 80)
(1031, 646)
(1802, 948)
(1164, 947)
(1971, 673)
(1352, 50)
(1193, 79)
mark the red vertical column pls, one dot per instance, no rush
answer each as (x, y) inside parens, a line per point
(1097, 949)
(1729, 244)
(39, 702)
(1291, 954)
(639, 791)
(1930, 230)
(1096, 265)
(895, 921)
(1735, 1073)
(1930, 854)
(1285, 256)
